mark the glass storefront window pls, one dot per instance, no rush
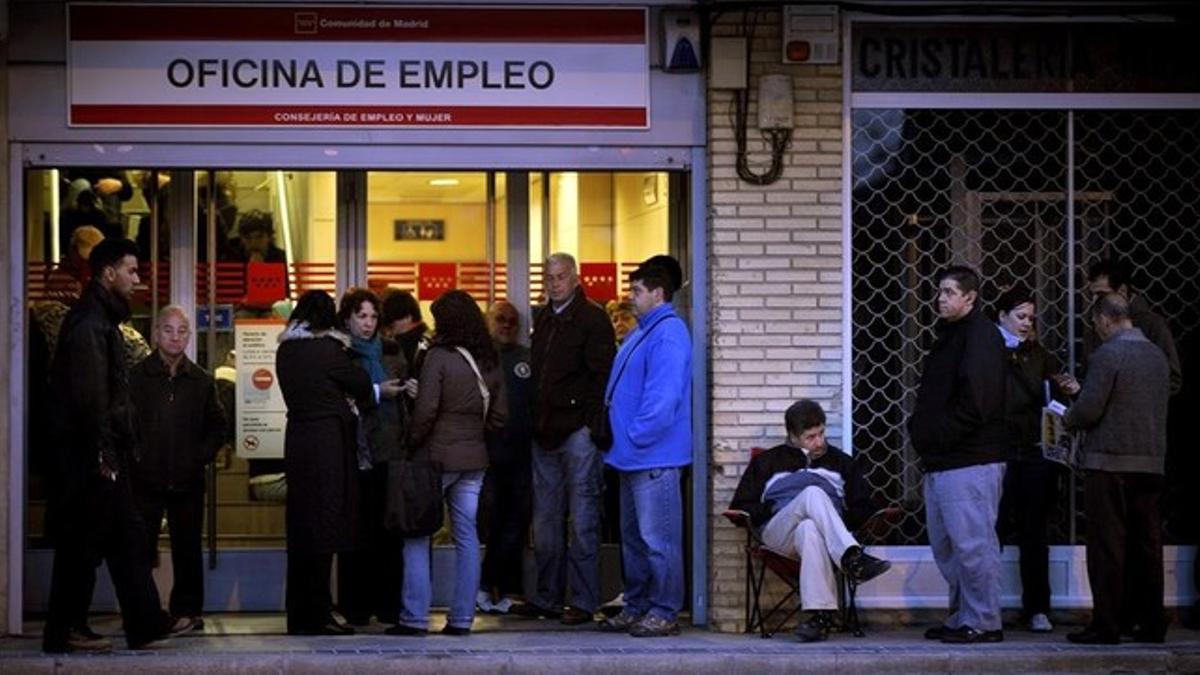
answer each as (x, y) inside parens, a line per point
(431, 232)
(610, 222)
(262, 238)
(274, 238)
(69, 211)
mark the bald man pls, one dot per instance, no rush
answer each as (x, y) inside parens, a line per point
(180, 427)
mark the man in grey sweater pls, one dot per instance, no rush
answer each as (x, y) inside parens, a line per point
(1122, 406)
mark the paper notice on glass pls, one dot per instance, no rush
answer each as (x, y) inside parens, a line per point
(1058, 444)
(261, 412)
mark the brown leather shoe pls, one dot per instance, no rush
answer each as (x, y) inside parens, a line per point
(573, 616)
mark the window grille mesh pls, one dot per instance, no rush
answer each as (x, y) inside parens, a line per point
(987, 188)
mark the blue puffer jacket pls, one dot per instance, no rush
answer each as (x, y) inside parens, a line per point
(650, 394)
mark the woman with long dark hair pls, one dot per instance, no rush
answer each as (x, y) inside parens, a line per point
(368, 577)
(322, 389)
(461, 396)
(1031, 481)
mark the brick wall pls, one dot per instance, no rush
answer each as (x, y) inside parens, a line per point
(775, 255)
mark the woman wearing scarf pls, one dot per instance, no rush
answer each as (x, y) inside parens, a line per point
(1031, 481)
(322, 388)
(369, 576)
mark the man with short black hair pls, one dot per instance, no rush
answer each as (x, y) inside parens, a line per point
(804, 495)
(649, 396)
(959, 432)
(1113, 275)
(92, 516)
(1123, 407)
(400, 320)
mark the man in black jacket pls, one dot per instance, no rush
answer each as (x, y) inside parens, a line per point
(180, 428)
(810, 523)
(573, 350)
(92, 515)
(959, 432)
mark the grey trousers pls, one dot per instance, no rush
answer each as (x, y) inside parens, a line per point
(960, 511)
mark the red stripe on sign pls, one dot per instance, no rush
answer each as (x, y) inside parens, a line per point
(357, 24)
(356, 116)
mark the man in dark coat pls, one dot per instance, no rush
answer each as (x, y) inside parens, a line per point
(573, 350)
(180, 428)
(93, 516)
(959, 431)
(1113, 276)
(505, 501)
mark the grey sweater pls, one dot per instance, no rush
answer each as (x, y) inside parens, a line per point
(1123, 406)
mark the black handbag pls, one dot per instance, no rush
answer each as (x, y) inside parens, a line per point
(414, 497)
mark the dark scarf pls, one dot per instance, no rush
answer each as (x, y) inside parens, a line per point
(371, 351)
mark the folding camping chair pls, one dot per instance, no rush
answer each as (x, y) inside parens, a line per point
(760, 558)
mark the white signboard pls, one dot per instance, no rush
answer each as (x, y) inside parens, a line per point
(316, 66)
(261, 413)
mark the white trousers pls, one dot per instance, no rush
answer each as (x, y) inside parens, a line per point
(809, 528)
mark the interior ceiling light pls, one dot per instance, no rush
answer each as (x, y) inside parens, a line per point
(443, 182)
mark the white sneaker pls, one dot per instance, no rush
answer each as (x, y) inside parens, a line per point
(503, 606)
(1040, 623)
(483, 600)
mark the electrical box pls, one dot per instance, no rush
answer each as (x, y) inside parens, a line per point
(775, 102)
(728, 63)
(811, 34)
(680, 41)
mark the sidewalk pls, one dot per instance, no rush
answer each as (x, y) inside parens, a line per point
(255, 644)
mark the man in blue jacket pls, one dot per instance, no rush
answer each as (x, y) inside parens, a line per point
(649, 397)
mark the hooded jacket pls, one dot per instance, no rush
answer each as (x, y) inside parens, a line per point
(650, 395)
(787, 459)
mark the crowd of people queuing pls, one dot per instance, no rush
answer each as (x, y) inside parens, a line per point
(366, 383)
(523, 438)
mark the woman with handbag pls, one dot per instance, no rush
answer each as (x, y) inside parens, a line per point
(322, 389)
(460, 397)
(368, 579)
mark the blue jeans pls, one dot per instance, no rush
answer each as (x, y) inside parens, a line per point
(652, 542)
(461, 490)
(961, 506)
(567, 479)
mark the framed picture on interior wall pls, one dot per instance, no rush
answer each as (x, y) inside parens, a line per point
(420, 230)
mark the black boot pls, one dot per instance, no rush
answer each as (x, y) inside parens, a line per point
(861, 567)
(817, 628)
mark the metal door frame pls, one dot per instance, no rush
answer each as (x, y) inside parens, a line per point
(692, 161)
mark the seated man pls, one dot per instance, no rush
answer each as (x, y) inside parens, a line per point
(801, 495)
